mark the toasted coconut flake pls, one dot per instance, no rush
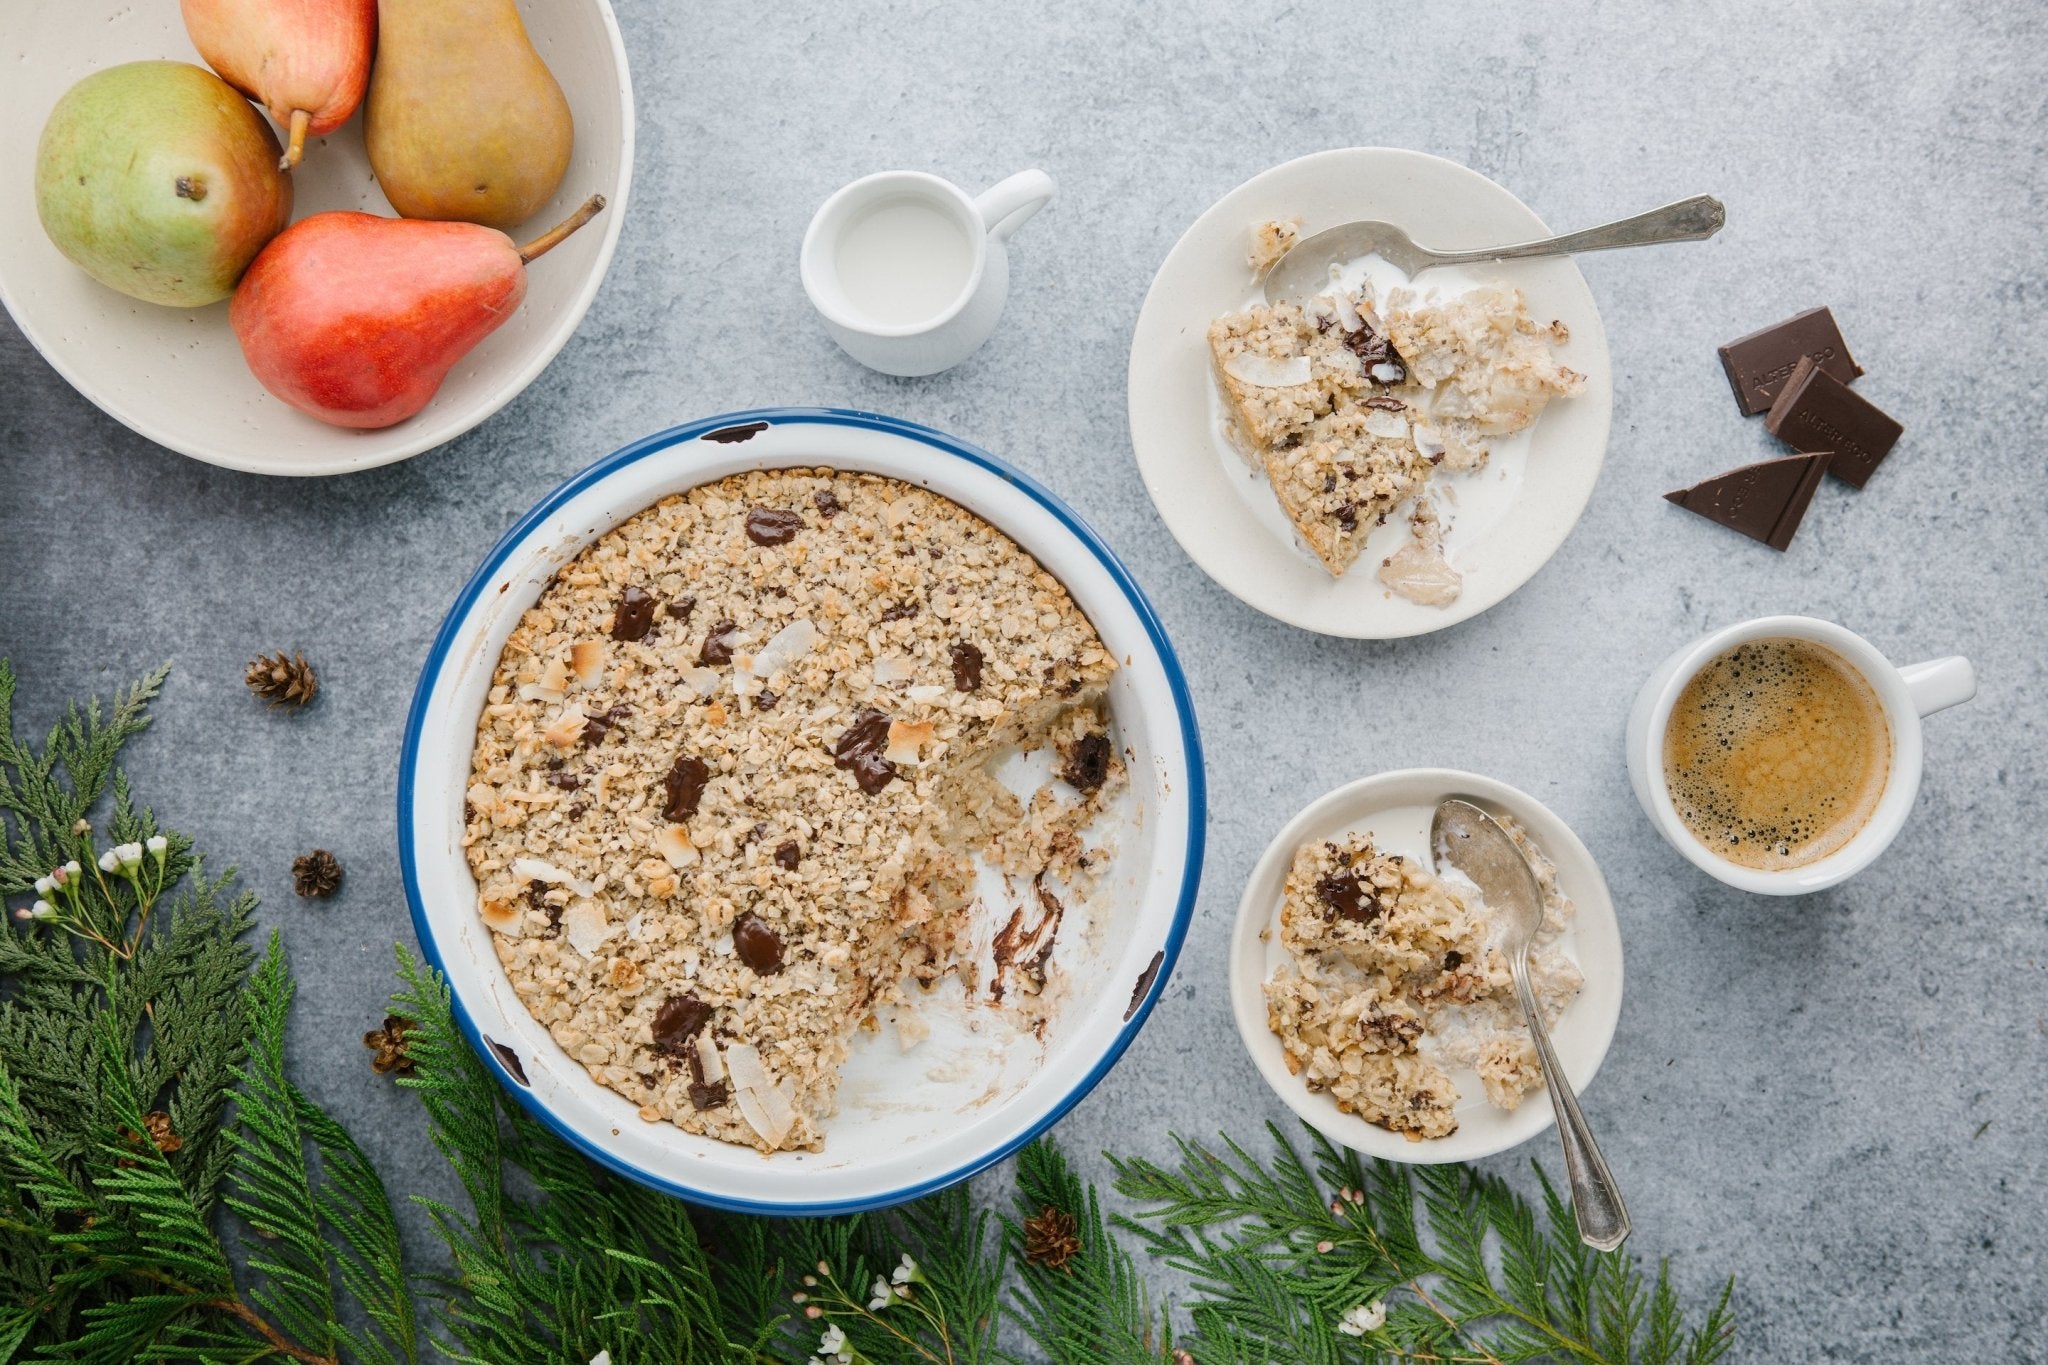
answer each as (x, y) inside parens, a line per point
(891, 669)
(905, 738)
(762, 1104)
(567, 729)
(586, 926)
(703, 681)
(534, 691)
(783, 649)
(587, 658)
(673, 843)
(555, 677)
(534, 870)
(897, 512)
(1265, 372)
(1347, 313)
(501, 916)
(1391, 425)
(707, 1057)
(1429, 441)
(482, 797)
(925, 692)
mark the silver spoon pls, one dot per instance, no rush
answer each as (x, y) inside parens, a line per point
(1473, 842)
(1305, 270)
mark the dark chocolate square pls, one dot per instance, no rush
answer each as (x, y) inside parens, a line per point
(1817, 411)
(1759, 364)
(1764, 501)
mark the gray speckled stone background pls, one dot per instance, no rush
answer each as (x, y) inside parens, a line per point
(1837, 1099)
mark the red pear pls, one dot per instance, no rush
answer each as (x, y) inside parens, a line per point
(356, 319)
(306, 61)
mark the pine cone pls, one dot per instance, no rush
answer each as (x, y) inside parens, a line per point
(282, 681)
(316, 874)
(159, 1125)
(1051, 1239)
(389, 1045)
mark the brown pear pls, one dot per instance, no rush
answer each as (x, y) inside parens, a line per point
(464, 121)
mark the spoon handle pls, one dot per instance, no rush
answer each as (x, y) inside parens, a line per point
(1596, 1199)
(1688, 220)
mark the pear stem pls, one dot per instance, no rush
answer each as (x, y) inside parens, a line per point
(301, 121)
(554, 236)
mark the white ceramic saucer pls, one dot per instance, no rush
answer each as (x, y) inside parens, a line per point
(1514, 514)
(1395, 809)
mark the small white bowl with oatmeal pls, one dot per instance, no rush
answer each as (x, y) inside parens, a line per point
(1372, 992)
(805, 809)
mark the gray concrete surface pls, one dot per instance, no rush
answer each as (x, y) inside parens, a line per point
(1836, 1099)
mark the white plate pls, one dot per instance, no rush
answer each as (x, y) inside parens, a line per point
(1395, 809)
(176, 375)
(1515, 513)
(908, 1123)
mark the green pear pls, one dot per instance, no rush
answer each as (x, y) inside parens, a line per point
(464, 121)
(158, 180)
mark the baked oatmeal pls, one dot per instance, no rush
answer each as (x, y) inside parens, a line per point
(1347, 405)
(733, 772)
(1395, 975)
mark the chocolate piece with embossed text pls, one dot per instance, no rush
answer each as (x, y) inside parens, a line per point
(1819, 412)
(1759, 364)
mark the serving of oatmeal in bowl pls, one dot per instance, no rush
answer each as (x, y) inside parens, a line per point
(805, 809)
(1371, 987)
(1391, 455)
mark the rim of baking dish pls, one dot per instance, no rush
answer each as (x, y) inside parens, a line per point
(1195, 780)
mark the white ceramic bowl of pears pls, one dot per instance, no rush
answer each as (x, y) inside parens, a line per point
(178, 375)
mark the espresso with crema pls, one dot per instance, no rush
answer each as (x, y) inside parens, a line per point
(1777, 753)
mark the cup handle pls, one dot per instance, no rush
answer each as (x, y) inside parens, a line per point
(1939, 683)
(1007, 206)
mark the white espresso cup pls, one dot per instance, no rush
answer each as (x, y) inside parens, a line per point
(1905, 694)
(909, 271)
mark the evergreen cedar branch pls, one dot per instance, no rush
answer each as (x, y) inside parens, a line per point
(263, 1233)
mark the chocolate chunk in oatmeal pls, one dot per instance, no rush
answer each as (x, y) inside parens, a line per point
(860, 751)
(596, 727)
(1087, 765)
(788, 855)
(759, 946)
(717, 650)
(680, 1018)
(1349, 897)
(634, 614)
(773, 525)
(685, 785)
(967, 663)
(681, 608)
(705, 1094)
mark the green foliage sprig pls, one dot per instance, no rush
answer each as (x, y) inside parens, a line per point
(168, 1194)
